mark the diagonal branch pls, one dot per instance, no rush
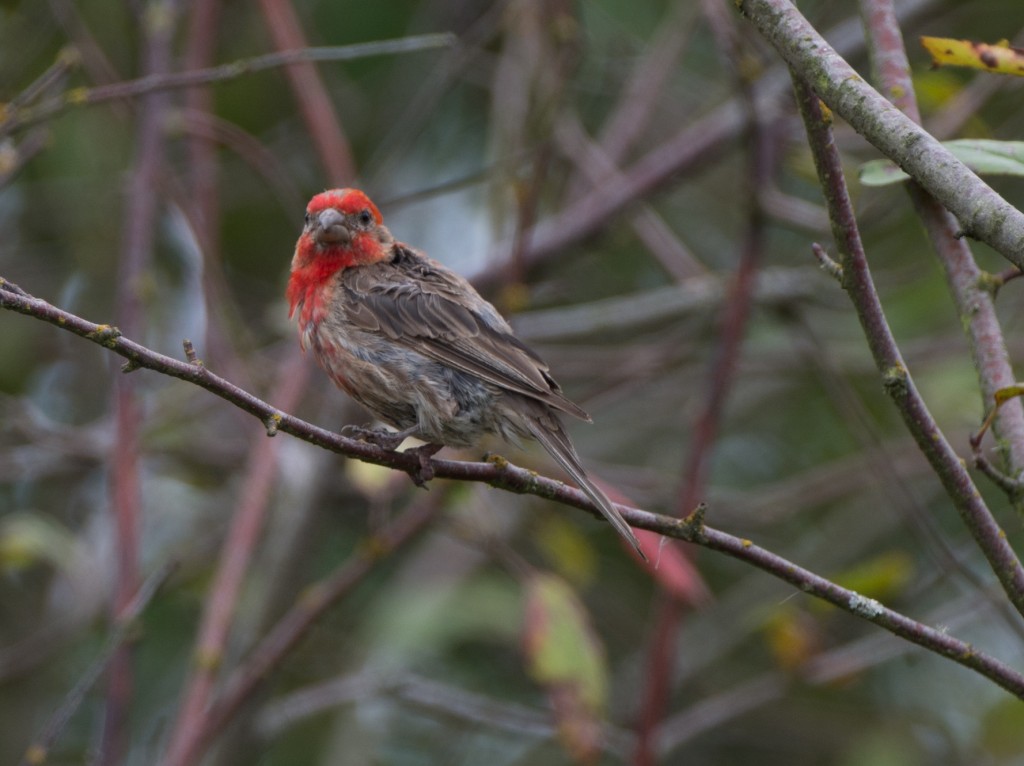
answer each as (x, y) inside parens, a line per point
(858, 283)
(274, 647)
(982, 213)
(17, 119)
(971, 291)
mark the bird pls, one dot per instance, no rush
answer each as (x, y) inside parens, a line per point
(415, 344)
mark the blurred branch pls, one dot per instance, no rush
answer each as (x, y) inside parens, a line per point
(838, 664)
(405, 125)
(318, 112)
(207, 128)
(898, 383)
(295, 624)
(597, 168)
(93, 59)
(772, 287)
(157, 23)
(734, 315)
(13, 157)
(695, 144)
(439, 699)
(645, 90)
(27, 115)
(124, 624)
(497, 472)
(66, 60)
(236, 554)
(982, 213)
(974, 302)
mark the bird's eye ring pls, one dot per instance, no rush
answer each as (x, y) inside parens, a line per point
(365, 218)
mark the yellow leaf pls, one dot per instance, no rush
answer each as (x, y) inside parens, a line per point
(566, 548)
(1000, 58)
(880, 577)
(792, 637)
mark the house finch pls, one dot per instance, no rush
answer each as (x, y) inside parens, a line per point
(416, 345)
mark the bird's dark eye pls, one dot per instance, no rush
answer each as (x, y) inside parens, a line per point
(308, 219)
(365, 217)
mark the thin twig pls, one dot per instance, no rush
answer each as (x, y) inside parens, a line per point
(236, 554)
(896, 377)
(975, 304)
(124, 625)
(318, 111)
(44, 110)
(295, 624)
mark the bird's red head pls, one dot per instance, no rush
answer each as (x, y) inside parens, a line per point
(343, 228)
(345, 201)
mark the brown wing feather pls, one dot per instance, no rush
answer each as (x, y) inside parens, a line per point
(416, 302)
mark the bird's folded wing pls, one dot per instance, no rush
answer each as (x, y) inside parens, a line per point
(423, 308)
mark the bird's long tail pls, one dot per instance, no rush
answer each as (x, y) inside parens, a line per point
(549, 432)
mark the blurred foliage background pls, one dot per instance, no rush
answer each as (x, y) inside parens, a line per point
(590, 166)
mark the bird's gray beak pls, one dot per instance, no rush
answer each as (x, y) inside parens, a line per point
(331, 228)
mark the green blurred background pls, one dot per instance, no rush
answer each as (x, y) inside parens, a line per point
(428, 658)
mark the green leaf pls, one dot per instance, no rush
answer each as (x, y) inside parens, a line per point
(983, 156)
(560, 646)
(565, 656)
(1004, 395)
(27, 539)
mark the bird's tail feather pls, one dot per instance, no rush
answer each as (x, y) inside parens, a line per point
(553, 438)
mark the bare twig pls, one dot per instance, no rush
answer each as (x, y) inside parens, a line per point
(318, 112)
(124, 624)
(236, 553)
(138, 235)
(290, 629)
(975, 304)
(898, 383)
(44, 110)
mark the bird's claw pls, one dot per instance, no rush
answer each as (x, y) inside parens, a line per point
(425, 470)
(391, 440)
(379, 437)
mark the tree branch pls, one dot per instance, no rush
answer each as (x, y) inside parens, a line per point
(982, 213)
(896, 378)
(975, 302)
(499, 473)
(31, 114)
